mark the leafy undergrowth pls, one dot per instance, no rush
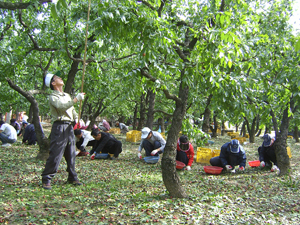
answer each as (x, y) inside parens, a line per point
(129, 191)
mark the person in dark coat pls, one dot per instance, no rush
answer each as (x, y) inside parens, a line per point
(231, 155)
(29, 136)
(267, 154)
(106, 143)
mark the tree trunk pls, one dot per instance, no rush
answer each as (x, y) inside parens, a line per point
(296, 137)
(162, 124)
(135, 121)
(214, 129)
(30, 114)
(206, 116)
(258, 133)
(243, 130)
(151, 104)
(283, 160)
(43, 142)
(142, 113)
(223, 128)
(72, 73)
(169, 174)
(206, 119)
(251, 130)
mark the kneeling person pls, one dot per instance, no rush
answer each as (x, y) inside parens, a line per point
(185, 152)
(267, 154)
(83, 139)
(152, 141)
(231, 155)
(106, 143)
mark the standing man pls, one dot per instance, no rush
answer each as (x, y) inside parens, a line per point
(62, 137)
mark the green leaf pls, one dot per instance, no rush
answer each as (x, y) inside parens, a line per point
(63, 2)
(54, 12)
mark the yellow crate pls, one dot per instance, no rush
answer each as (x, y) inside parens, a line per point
(229, 133)
(288, 150)
(216, 152)
(246, 135)
(133, 136)
(204, 155)
(289, 136)
(241, 139)
(115, 130)
(218, 131)
(163, 135)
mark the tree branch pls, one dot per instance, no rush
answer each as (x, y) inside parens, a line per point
(14, 6)
(147, 4)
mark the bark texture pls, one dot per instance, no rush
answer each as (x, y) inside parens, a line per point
(44, 143)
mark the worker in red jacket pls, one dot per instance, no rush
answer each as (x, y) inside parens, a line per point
(185, 152)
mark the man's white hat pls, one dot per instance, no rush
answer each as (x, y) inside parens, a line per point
(145, 132)
(48, 79)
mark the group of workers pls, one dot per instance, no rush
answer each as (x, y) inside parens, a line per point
(233, 154)
(63, 140)
(10, 132)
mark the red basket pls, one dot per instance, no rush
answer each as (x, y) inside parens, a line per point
(255, 163)
(212, 169)
(179, 165)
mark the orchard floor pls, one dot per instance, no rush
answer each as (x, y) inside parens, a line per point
(129, 191)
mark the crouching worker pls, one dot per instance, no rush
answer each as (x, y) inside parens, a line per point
(29, 136)
(153, 143)
(231, 155)
(267, 154)
(105, 143)
(185, 152)
(83, 139)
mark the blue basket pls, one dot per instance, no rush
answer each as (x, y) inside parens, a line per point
(101, 156)
(151, 159)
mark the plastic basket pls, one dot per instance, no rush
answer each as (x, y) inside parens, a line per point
(216, 152)
(212, 169)
(133, 136)
(151, 159)
(288, 150)
(115, 130)
(241, 139)
(204, 155)
(255, 163)
(179, 165)
(101, 156)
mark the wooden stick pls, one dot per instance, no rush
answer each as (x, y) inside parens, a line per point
(84, 60)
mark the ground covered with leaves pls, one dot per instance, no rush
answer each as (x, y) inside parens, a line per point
(129, 191)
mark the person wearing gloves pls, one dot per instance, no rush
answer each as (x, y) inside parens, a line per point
(83, 139)
(152, 141)
(105, 143)
(124, 129)
(62, 136)
(267, 154)
(104, 125)
(8, 134)
(185, 152)
(231, 155)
